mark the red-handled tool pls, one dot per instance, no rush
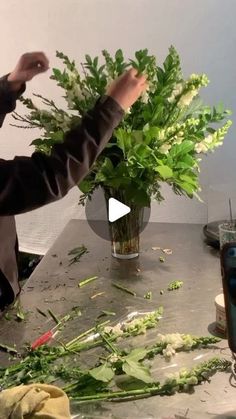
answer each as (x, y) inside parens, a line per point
(45, 338)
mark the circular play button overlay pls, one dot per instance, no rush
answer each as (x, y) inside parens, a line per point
(103, 215)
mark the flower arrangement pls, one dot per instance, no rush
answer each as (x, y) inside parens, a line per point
(161, 138)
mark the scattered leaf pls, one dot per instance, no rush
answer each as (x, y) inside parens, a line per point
(136, 354)
(161, 259)
(77, 253)
(136, 370)
(175, 285)
(103, 373)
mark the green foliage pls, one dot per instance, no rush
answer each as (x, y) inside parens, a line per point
(103, 373)
(160, 138)
(175, 285)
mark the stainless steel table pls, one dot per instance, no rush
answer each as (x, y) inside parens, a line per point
(54, 284)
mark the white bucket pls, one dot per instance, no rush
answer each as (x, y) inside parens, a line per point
(220, 314)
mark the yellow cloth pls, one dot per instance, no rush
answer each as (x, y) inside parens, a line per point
(34, 401)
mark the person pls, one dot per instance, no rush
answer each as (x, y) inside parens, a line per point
(27, 183)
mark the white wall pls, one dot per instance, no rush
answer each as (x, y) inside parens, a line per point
(204, 33)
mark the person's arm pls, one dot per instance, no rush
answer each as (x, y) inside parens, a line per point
(9, 93)
(27, 183)
(13, 84)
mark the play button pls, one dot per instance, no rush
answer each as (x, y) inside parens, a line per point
(116, 210)
(101, 214)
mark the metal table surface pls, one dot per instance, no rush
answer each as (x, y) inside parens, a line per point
(54, 284)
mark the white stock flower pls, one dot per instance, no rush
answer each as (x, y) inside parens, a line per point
(186, 99)
(209, 139)
(145, 97)
(177, 139)
(164, 149)
(161, 135)
(200, 148)
(176, 92)
(169, 351)
(113, 358)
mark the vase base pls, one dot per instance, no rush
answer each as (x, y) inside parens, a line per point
(128, 256)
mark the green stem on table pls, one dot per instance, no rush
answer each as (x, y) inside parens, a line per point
(87, 281)
(41, 312)
(183, 384)
(86, 333)
(54, 317)
(120, 287)
(109, 344)
(145, 392)
(8, 349)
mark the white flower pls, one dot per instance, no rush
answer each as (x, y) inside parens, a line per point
(145, 97)
(115, 330)
(176, 92)
(128, 111)
(161, 135)
(72, 77)
(161, 337)
(164, 149)
(200, 148)
(186, 99)
(169, 351)
(177, 139)
(113, 358)
(209, 139)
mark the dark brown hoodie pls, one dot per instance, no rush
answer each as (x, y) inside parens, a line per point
(27, 183)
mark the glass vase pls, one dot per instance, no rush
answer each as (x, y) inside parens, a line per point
(125, 232)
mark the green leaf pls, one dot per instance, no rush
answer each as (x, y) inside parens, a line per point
(119, 55)
(106, 171)
(136, 354)
(188, 179)
(187, 187)
(88, 59)
(57, 136)
(37, 141)
(123, 139)
(103, 373)
(136, 370)
(139, 197)
(165, 171)
(57, 73)
(86, 186)
(183, 148)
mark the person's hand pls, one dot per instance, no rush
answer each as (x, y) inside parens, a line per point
(127, 88)
(30, 65)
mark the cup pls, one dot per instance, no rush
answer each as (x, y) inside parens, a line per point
(220, 314)
(227, 233)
